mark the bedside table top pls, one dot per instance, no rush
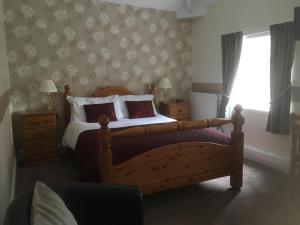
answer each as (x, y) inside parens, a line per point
(40, 112)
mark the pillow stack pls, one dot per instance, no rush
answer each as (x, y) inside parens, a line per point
(77, 106)
(94, 110)
(115, 107)
(138, 98)
(139, 109)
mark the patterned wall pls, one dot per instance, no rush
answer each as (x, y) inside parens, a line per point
(88, 44)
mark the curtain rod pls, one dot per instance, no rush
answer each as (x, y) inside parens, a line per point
(258, 34)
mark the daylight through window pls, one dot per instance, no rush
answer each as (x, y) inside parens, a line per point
(251, 87)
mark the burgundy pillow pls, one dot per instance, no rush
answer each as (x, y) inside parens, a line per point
(139, 109)
(94, 111)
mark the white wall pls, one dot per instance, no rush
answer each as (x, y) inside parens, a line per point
(231, 16)
(6, 147)
(250, 17)
(264, 147)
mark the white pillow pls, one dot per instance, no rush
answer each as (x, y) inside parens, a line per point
(77, 110)
(48, 208)
(123, 98)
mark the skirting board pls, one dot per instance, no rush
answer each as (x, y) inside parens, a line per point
(275, 161)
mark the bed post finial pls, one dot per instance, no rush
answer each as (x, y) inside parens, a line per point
(104, 121)
(237, 118)
(153, 88)
(67, 93)
(237, 139)
(67, 90)
(105, 154)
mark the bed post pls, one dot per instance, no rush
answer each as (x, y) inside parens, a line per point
(237, 139)
(67, 104)
(105, 154)
(153, 91)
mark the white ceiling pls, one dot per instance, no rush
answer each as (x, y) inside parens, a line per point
(184, 8)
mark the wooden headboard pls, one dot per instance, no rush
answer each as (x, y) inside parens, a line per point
(101, 92)
(112, 90)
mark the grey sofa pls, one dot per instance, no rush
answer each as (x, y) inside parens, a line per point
(90, 204)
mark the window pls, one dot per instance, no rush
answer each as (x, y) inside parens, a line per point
(251, 87)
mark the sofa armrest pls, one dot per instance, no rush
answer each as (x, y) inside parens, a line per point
(19, 210)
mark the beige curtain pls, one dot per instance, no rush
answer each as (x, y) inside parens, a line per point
(231, 53)
(282, 57)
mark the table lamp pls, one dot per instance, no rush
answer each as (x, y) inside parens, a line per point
(48, 87)
(165, 84)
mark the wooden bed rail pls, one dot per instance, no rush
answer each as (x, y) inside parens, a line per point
(237, 120)
(237, 141)
(168, 127)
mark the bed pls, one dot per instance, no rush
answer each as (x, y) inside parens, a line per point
(159, 154)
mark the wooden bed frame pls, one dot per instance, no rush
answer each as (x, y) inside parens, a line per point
(172, 165)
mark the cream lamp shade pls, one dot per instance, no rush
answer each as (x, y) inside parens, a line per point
(165, 84)
(48, 86)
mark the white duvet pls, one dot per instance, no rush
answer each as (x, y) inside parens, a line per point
(74, 129)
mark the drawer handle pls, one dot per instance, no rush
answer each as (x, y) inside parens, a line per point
(179, 110)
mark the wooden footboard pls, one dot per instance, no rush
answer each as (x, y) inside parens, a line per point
(175, 165)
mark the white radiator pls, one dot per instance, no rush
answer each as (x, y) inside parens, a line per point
(203, 105)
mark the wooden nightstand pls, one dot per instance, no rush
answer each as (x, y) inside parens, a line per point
(39, 137)
(177, 110)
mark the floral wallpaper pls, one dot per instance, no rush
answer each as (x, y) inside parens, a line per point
(89, 44)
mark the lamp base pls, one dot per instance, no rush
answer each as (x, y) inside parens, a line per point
(50, 107)
(165, 94)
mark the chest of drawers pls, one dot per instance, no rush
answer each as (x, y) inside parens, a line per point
(39, 137)
(179, 111)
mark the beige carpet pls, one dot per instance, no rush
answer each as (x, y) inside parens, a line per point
(265, 199)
